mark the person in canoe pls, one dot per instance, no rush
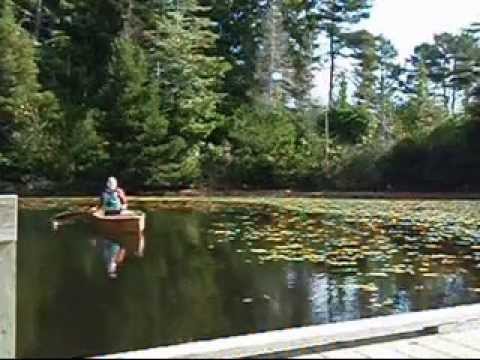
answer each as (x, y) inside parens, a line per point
(113, 199)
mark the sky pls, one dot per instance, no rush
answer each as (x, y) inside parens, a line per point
(408, 23)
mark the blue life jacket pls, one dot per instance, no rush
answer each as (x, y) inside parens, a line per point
(111, 201)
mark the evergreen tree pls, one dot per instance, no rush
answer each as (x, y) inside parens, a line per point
(442, 56)
(239, 33)
(26, 112)
(274, 71)
(472, 92)
(335, 18)
(76, 47)
(450, 62)
(300, 23)
(421, 114)
(190, 80)
(248, 30)
(363, 45)
(388, 86)
(342, 102)
(462, 75)
(79, 153)
(133, 123)
(348, 123)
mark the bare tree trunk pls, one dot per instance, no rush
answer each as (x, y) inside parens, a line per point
(446, 99)
(454, 100)
(466, 98)
(454, 89)
(332, 72)
(327, 139)
(38, 19)
(272, 57)
(330, 101)
(383, 115)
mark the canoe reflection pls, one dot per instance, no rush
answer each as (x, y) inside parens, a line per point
(116, 251)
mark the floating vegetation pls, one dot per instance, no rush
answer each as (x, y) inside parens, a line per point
(431, 275)
(371, 242)
(369, 287)
(259, 251)
(377, 274)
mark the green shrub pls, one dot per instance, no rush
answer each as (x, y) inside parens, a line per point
(270, 148)
(358, 169)
(349, 124)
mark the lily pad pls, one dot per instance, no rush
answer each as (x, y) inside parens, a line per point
(259, 251)
(377, 274)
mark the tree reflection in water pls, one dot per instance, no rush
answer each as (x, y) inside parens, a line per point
(191, 285)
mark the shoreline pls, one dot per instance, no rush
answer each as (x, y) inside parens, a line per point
(196, 194)
(193, 199)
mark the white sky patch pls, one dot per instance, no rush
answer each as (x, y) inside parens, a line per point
(408, 23)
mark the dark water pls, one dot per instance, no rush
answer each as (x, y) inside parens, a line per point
(197, 282)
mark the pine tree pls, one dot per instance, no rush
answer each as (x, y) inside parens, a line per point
(245, 35)
(363, 45)
(274, 71)
(239, 32)
(349, 123)
(342, 102)
(301, 25)
(190, 80)
(76, 47)
(465, 56)
(388, 86)
(450, 62)
(133, 123)
(26, 112)
(422, 114)
(335, 18)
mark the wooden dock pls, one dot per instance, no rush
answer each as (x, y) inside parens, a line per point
(410, 335)
(8, 250)
(458, 345)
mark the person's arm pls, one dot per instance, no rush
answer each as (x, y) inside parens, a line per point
(123, 198)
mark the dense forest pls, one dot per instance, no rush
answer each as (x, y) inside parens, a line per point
(170, 94)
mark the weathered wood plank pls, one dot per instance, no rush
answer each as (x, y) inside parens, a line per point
(381, 351)
(8, 237)
(310, 356)
(414, 350)
(312, 336)
(451, 348)
(8, 218)
(435, 346)
(343, 354)
(469, 339)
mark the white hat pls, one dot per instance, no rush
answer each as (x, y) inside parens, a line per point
(112, 183)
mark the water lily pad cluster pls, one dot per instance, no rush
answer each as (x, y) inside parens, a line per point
(373, 240)
(385, 256)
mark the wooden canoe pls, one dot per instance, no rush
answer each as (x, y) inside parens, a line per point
(127, 223)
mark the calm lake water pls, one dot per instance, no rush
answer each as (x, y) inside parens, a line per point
(240, 270)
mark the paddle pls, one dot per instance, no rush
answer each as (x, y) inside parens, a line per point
(74, 213)
(70, 214)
